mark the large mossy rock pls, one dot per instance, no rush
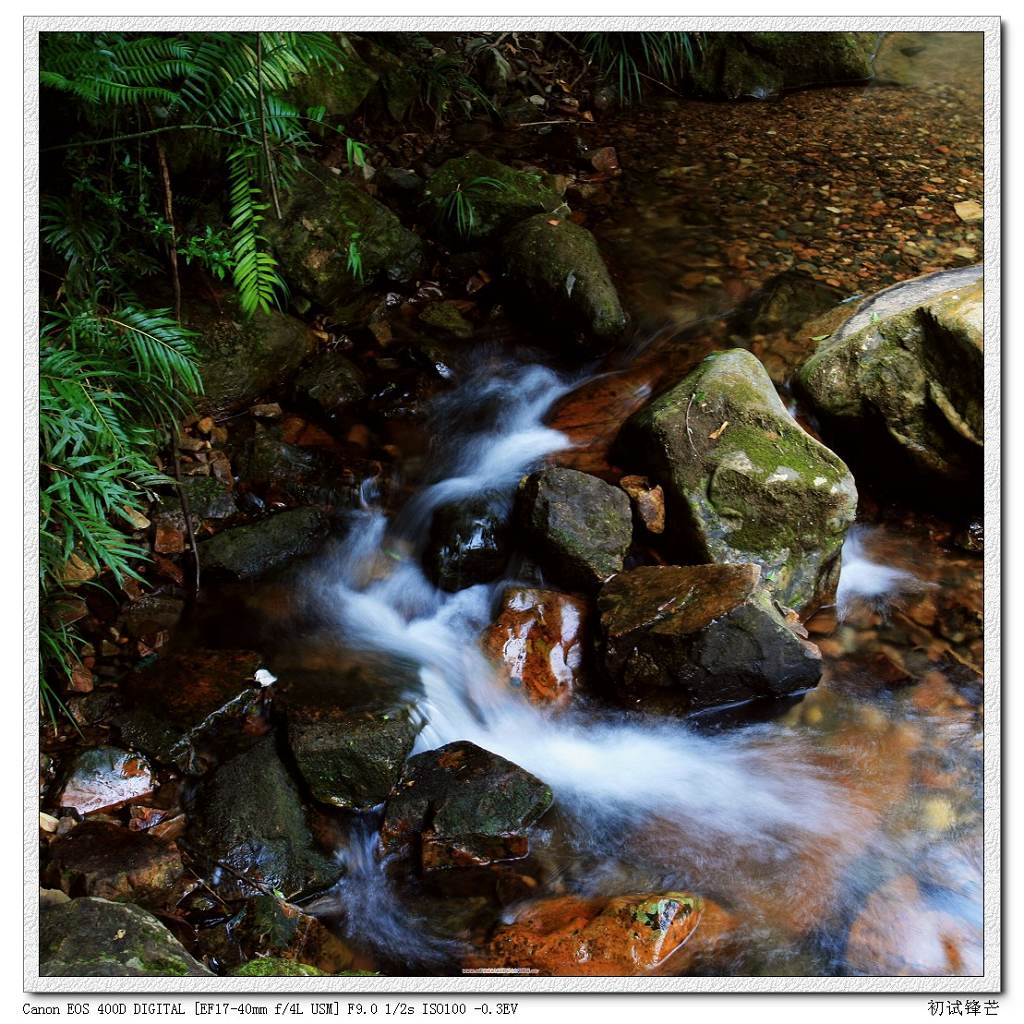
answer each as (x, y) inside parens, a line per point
(707, 634)
(496, 208)
(579, 526)
(244, 552)
(468, 542)
(907, 368)
(339, 87)
(465, 805)
(248, 827)
(556, 267)
(94, 938)
(323, 215)
(759, 65)
(743, 481)
(242, 358)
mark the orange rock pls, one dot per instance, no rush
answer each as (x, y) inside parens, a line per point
(537, 641)
(648, 499)
(629, 935)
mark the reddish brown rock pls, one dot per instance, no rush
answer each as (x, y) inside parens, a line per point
(538, 643)
(103, 779)
(648, 499)
(630, 935)
(102, 859)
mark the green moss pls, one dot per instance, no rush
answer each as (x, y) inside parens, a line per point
(277, 967)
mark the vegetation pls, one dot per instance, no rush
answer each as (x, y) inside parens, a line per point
(459, 208)
(629, 60)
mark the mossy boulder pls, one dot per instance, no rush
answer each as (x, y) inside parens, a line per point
(703, 635)
(323, 215)
(242, 358)
(277, 967)
(95, 938)
(244, 552)
(465, 806)
(759, 65)
(556, 267)
(331, 381)
(248, 828)
(468, 542)
(338, 86)
(743, 481)
(496, 208)
(907, 368)
(578, 526)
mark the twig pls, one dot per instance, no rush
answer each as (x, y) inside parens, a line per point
(186, 511)
(165, 177)
(263, 127)
(689, 433)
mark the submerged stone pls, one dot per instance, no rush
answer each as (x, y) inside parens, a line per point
(710, 634)
(469, 541)
(910, 359)
(102, 859)
(744, 482)
(183, 705)
(538, 643)
(465, 805)
(556, 266)
(104, 779)
(332, 381)
(243, 552)
(581, 526)
(248, 826)
(95, 938)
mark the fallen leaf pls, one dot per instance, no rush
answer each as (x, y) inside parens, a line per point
(716, 434)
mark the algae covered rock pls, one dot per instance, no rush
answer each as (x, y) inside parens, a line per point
(465, 805)
(743, 481)
(95, 938)
(710, 634)
(248, 826)
(332, 381)
(581, 526)
(556, 266)
(324, 215)
(499, 195)
(907, 369)
(339, 86)
(277, 967)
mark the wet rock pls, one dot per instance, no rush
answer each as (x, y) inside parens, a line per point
(301, 475)
(538, 641)
(207, 498)
(709, 633)
(350, 755)
(332, 381)
(496, 70)
(467, 807)
(910, 358)
(244, 552)
(581, 526)
(95, 938)
(104, 779)
(185, 704)
(556, 266)
(270, 927)
(247, 824)
(744, 482)
(322, 219)
(496, 208)
(759, 65)
(276, 967)
(399, 182)
(898, 933)
(648, 500)
(446, 320)
(626, 936)
(102, 859)
(469, 542)
(786, 303)
(339, 86)
(152, 613)
(243, 357)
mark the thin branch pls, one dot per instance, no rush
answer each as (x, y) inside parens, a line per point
(165, 177)
(271, 175)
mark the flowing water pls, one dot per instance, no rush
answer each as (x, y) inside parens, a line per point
(844, 829)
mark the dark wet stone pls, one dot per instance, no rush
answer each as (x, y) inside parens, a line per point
(399, 182)
(556, 266)
(495, 208)
(332, 381)
(207, 497)
(351, 755)
(467, 806)
(581, 526)
(321, 220)
(743, 481)
(152, 613)
(248, 826)
(243, 357)
(469, 542)
(102, 859)
(104, 779)
(709, 633)
(786, 302)
(182, 705)
(270, 927)
(95, 938)
(446, 320)
(244, 552)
